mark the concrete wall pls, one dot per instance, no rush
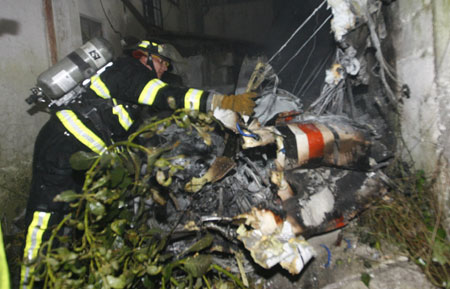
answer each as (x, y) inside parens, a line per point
(23, 55)
(174, 17)
(421, 42)
(120, 17)
(248, 21)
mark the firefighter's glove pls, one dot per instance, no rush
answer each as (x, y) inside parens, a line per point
(241, 103)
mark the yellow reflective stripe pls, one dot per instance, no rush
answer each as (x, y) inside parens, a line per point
(150, 90)
(4, 272)
(122, 114)
(144, 44)
(71, 122)
(99, 87)
(192, 99)
(32, 245)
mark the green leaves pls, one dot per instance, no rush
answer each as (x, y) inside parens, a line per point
(365, 278)
(118, 227)
(65, 254)
(117, 176)
(66, 196)
(441, 252)
(203, 243)
(197, 266)
(96, 208)
(118, 282)
(153, 270)
(82, 160)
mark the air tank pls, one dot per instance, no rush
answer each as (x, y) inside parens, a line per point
(75, 67)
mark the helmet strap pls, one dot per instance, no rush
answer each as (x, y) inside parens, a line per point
(150, 62)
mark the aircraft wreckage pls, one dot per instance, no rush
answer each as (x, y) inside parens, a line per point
(266, 184)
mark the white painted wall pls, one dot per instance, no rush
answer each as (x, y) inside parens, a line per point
(422, 45)
(23, 55)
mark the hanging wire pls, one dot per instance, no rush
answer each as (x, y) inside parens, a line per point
(305, 64)
(296, 31)
(109, 21)
(304, 44)
(311, 52)
(313, 75)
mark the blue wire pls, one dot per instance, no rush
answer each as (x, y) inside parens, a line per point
(329, 256)
(245, 134)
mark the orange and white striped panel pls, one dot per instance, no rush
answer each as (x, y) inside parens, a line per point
(330, 151)
(301, 141)
(306, 141)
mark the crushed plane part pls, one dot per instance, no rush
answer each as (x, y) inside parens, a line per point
(284, 189)
(220, 167)
(227, 117)
(246, 71)
(343, 18)
(262, 71)
(335, 74)
(328, 198)
(274, 101)
(192, 153)
(266, 135)
(272, 241)
(349, 61)
(331, 99)
(323, 140)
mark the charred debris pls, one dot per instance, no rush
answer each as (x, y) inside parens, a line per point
(188, 198)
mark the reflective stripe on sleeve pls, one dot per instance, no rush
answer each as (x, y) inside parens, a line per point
(150, 90)
(74, 125)
(192, 99)
(99, 87)
(4, 271)
(122, 114)
(32, 245)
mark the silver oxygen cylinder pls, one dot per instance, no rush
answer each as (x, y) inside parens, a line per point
(79, 65)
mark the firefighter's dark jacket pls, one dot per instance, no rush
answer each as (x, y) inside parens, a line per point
(110, 110)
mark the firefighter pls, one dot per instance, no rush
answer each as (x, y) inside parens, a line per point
(109, 112)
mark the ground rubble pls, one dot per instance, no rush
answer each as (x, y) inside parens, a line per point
(344, 261)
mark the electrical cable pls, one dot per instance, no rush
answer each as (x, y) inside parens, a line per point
(326, 265)
(109, 21)
(304, 44)
(297, 30)
(349, 243)
(245, 134)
